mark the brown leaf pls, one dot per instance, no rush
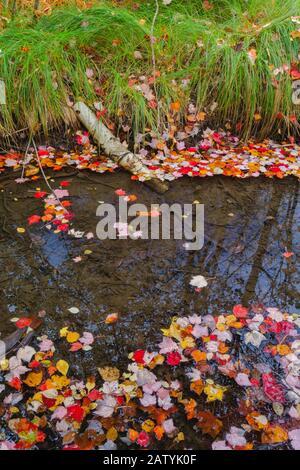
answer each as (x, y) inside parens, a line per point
(209, 424)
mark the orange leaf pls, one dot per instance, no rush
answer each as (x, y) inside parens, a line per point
(159, 432)
(198, 355)
(132, 435)
(274, 434)
(175, 106)
(197, 387)
(33, 379)
(190, 407)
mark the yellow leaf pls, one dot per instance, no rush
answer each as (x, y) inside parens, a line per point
(187, 342)
(214, 392)
(112, 434)
(148, 425)
(33, 379)
(21, 230)
(72, 337)
(173, 332)
(31, 170)
(90, 383)
(62, 366)
(14, 409)
(4, 364)
(60, 381)
(63, 332)
(283, 349)
(180, 437)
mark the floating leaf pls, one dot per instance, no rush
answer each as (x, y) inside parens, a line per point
(62, 366)
(72, 336)
(273, 434)
(34, 379)
(209, 424)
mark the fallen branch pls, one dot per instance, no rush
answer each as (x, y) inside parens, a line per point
(115, 150)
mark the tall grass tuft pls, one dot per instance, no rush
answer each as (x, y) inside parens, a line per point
(222, 58)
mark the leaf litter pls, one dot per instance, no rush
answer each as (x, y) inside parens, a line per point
(246, 360)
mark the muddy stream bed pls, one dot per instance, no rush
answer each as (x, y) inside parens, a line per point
(249, 224)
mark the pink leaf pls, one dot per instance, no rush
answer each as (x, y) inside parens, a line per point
(273, 390)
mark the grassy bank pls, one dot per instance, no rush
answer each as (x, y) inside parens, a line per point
(222, 55)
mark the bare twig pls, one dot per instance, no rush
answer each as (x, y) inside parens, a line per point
(152, 40)
(44, 176)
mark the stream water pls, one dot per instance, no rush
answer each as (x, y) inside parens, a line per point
(249, 224)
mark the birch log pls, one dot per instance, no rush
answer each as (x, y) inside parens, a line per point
(115, 150)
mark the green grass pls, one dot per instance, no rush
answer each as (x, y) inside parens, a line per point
(43, 62)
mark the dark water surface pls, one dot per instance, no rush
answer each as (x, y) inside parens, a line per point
(249, 224)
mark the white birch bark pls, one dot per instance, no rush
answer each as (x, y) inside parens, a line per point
(115, 150)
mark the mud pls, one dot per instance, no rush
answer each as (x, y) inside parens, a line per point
(249, 224)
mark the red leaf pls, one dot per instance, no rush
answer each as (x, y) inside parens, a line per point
(40, 194)
(295, 74)
(239, 311)
(43, 153)
(76, 412)
(273, 389)
(95, 395)
(173, 358)
(63, 227)
(120, 192)
(138, 356)
(15, 383)
(33, 219)
(23, 322)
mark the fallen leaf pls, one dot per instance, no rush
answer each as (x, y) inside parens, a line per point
(112, 318)
(34, 379)
(273, 433)
(209, 424)
(73, 310)
(109, 374)
(72, 336)
(198, 281)
(62, 366)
